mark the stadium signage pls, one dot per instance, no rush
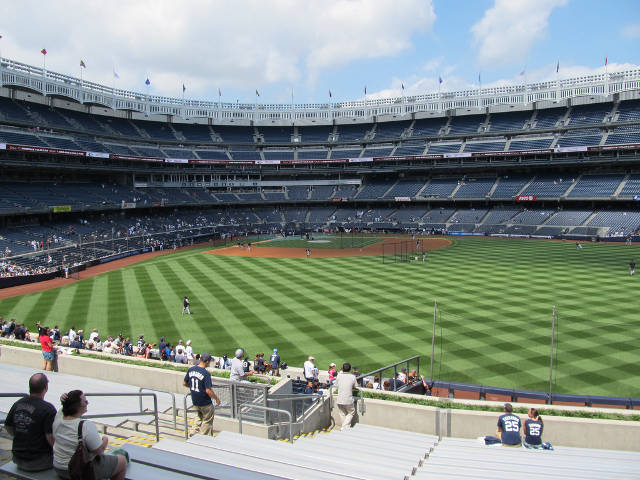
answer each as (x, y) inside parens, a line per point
(3, 146)
(632, 146)
(360, 160)
(130, 157)
(402, 199)
(61, 208)
(97, 154)
(176, 160)
(526, 198)
(23, 148)
(637, 198)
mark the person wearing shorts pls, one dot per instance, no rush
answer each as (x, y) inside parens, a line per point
(48, 352)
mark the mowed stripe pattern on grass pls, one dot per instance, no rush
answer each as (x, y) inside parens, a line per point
(495, 301)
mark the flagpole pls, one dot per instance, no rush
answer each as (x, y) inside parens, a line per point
(606, 76)
(219, 103)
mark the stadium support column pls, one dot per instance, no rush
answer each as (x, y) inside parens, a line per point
(433, 340)
(553, 334)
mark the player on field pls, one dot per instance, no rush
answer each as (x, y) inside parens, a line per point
(632, 267)
(185, 307)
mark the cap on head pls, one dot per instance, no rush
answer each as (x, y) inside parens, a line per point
(311, 358)
(508, 407)
(205, 357)
(188, 342)
(275, 350)
(239, 353)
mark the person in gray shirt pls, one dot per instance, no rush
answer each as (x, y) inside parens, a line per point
(237, 370)
(346, 382)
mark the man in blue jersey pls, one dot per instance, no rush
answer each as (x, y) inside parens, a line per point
(198, 380)
(509, 427)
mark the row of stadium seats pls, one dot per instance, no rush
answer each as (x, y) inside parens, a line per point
(65, 120)
(22, 196)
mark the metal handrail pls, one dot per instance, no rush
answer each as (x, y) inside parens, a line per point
(173, 402)
(186, 409)
(395, 369)
(267, 409)
(128, 414)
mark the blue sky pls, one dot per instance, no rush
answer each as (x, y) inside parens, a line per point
(310, 47)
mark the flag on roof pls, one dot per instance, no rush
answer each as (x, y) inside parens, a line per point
(43, 51)
(606, 60)
(0, 36)
(183, 88)
(147, 82)
(523, 71)
(330, 96)
(257, 93)
(365, 89)
(558, 66)
(219, 93)
(115, 75)
(440, 80)
(82, 64)
(479, 78)
(402, 85)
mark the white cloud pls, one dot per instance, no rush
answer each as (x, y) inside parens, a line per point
(510, 28)
(631, 32)
(242, 44)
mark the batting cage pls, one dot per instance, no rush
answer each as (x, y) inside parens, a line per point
(402, 251)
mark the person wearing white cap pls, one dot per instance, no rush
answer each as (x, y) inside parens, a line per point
(237, 370)
(188, 352)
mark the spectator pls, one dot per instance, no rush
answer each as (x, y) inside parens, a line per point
(188, 353)
(533, 427)
(30, 422)
(308, 389)
(180, 353)
(198, 380)
(346, 382)
(332, 372)
(65, 431)
(237, 371)
(48, 352)
(72, 334)
(402, 375)
(308, 369)
(509, 427)
(258, 364)
(275, 363)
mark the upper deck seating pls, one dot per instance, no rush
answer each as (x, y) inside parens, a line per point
(428, 127)
(122, 127)
(533, 144)
(440, 187)
(549, 117)
(156, 130)
(508, 187)
(18, 138)
(278, 154)
(629, 111)
(410, 148)
(631, 187)
(344, 153)
(589, 114)
(377, 151)
(200, 134)
(307, 154)
(322, 192)
(177, 152)
(438, 215)
(547, 186)
(443, 148)
(578, 140)
(484, 146)
(569, 217)
(245, 155)
(465, 124)
(532, 217)
(355, 132)
(508, 121)
(234, 134)
(405, 188)
(298, 192)
(374, 190)
(391, 129)
(475, 188)
(14, 111)
(276, 134)
(319, 134)
(596, 186)
(212, 154)
(619, 137)
(408, 215)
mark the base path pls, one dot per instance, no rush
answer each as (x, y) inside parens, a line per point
(285, 252)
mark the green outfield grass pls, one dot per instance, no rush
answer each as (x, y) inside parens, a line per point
(495, 300)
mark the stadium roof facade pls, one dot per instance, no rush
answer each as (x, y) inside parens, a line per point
(15, 74)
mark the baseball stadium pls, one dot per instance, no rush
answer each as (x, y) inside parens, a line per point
(486, 235)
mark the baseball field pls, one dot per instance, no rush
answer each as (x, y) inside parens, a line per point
(495, 300)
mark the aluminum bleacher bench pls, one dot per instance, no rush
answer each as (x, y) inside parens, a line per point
(174, 465)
